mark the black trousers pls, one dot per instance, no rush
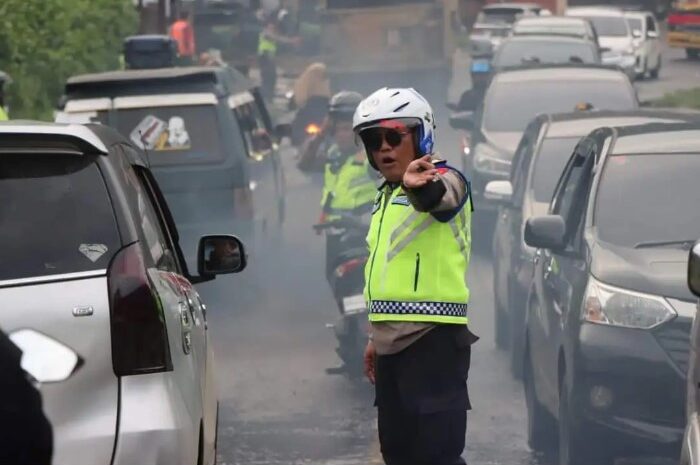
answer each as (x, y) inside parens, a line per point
(422, 399)
(268, 75)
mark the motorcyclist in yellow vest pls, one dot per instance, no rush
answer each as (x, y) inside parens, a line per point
(349, 181)
(419, 350)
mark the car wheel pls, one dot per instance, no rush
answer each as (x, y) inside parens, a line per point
(541, 430)
(574, 446)
(654, 73)
(692, 53)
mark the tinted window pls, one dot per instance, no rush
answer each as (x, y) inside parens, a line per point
(609, 26)
(56, 216)
(651, 24)
(517, 52)
(549, 164)
(499, 15)
(174, 135)
(510, 106)
(648, 198)
(253, 129)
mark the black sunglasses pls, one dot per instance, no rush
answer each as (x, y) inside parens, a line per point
(374, 138)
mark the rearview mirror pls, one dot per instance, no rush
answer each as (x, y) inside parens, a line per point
(652, 34)
(545, 232)
(462, 120)
(220, 254)
(499, 191)
(694, 269)
(636, 33)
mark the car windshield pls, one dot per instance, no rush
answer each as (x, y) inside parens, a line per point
(175, 134)
(633, 186)
(549, 164)
(500, 15)
(510, 106)
(610, 26)
(636, 24)
(56, 215)
(517, 52)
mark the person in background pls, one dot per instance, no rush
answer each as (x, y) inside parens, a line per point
(4, 79)
(268, 42)
(182, 31)
(416, 289)
(312, 92)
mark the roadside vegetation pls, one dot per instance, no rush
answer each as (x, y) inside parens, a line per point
(43, 42)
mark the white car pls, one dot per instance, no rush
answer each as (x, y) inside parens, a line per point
(614, 36)
(647, 45)
(97, 295)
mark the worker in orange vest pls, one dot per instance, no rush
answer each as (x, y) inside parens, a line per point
(183, 33)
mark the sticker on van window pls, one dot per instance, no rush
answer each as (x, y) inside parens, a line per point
(153, 133)
(93, 251)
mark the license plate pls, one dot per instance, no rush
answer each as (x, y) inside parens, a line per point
(354, 304)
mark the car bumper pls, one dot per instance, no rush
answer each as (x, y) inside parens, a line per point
(629, 389)
(155, 425)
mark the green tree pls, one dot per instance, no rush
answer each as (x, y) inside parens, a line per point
(43, 42)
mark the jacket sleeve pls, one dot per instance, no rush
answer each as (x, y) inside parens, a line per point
(443, 197)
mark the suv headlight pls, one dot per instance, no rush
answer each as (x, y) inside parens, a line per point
(608, 305)
(488, 159)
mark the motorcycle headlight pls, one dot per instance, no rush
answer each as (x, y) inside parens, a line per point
(608, 305)
(488, 159)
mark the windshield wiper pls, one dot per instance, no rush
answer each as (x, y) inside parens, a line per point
(686, 243)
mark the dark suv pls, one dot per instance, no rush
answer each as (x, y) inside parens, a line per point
(538, 162)
(208, 138)
(96, 290)
(609, 314)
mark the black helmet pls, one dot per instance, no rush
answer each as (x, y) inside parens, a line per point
(343, 104)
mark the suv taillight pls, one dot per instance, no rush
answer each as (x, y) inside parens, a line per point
(139, 335)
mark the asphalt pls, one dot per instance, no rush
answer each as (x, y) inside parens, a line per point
(269, 329)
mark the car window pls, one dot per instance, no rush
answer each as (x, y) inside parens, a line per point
(500, 15)
(609, 26)
(174, 135)
(549, 165)
(56, 214)
(152, 228)
(518, 52)
(636, 24)
(634, 189)
(651, 24)
(551, 28)
(253, 129)
(509, 106)
(521, 161)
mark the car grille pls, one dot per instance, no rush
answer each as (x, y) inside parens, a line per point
(674, 338)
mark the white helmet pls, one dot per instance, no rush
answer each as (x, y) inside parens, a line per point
(391, 104)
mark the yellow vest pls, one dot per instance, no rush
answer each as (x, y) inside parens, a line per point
(418, 265)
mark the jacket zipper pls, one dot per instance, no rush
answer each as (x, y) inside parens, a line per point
(415, 278)
(374, 253)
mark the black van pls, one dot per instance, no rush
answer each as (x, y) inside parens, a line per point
(208, 138)
(690, 454)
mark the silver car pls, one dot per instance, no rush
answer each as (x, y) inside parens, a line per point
(97, 295)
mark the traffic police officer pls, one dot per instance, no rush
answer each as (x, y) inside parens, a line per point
(348, 184)
(419, 351)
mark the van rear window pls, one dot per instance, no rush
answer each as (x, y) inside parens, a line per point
(174, 135)
(56, 216)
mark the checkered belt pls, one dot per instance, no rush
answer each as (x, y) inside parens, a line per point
(418, 308)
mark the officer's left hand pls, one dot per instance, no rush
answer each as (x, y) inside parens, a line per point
(419, 173)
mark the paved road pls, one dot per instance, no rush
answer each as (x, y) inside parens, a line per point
(278, 403)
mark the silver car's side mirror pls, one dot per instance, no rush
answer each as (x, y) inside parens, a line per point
(44, 358)
(694, 269)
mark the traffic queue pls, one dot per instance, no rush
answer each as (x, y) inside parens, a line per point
(588, 234)
(582, 196)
